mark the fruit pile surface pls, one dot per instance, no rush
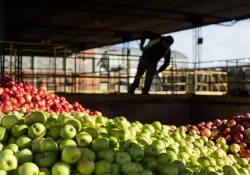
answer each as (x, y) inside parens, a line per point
(41, 143)
(26, 98)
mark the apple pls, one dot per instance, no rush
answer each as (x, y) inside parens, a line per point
(46, 160)
(48, 145)
(8, 161)
(71, 154)
(206, 132)
(226, 131)
(221, 140)
(231, 123)
(64, 117)
(238, 137)
(83, 139)
(234, 148)
(128, 168)
(13, 147)
(24, 142)
(136, 152)
(228, 138)
(44, 171)
(92, 131)
(100, 144)
(28, 168)
(85, 166)
(68, 131)
(103, 167)
(24, 155)
(9, 121)
(36, 130)
(247, 132)
(35, 145)
(66, 142)
(122, 157)
(163, 158)
(88, 154)
(61, 168)
(19, 130)
(3, 134)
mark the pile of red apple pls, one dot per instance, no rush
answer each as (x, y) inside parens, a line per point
(234, 130)
(26, 98)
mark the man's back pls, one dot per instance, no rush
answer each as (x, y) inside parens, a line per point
(155, 52)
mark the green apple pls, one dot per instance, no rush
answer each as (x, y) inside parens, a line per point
(101, 119)
(19, 130)
(11, 139)
(157, 125)
(151, 151)
(204, 161)
(48, 145)
(2, 172)
(35, 145)
(13, 147)
(7, 151)
(92, 131)
(87, 121)
(44, 171)
(51, 122)
(243, 161)
(64, 117)
(78, 115)
(176, 136)
(28, 168)
(24, 155)
(169, 169)
(8, 162)
(128, 167)
(54, 132)
(149, 163)
(163, 158)
(229, 170)
(115, 169)
(36, 130)
(121, 123)
(234, 148)
(83, 139)
(146, 172)
(75, 123)
(100, 144)
(103, 167)
(139, 167)
(221, 140)
(68, 131)
(106, 154)
(66, 142)
(194, 166)
(3, 134)
(71, 154)
(24, 142)
(243, 171)
(46, 160)
(136, 152)
(88, 154)
(122, 157)
(8, 121)
(85, 166)
(61, 168)
(180, 165)
(38, 117)
(172, 156)
(113, 143)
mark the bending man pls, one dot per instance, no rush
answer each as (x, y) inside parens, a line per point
(157, 48)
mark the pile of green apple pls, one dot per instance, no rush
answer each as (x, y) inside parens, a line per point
(41, 143)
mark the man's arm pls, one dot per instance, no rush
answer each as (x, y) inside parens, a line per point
(166, 62)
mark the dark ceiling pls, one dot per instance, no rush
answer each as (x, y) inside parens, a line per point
(96, 23)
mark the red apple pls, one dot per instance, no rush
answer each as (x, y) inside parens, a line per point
(231, 123)
(238, 128)
(228, 138)
(226, 131)
(238, 137)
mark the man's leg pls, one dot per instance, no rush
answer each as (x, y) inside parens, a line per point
(149, 78)
(140, 71)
